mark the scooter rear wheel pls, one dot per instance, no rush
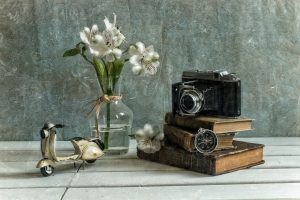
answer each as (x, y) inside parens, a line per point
(91, 161)
(47, 170)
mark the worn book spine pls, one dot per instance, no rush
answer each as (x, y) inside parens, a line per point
(178, 136)
(185, 139)
(225, 141)
(246, 155)
(217, 125)
(186, 122)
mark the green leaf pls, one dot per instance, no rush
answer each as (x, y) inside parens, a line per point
(99, 66)
(71, 52)
(117, 69)
(132, 136)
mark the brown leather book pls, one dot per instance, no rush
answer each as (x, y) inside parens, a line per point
(216, 124)
(185, 139)
(219, 162)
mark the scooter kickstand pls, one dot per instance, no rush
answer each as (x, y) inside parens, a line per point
(83, 165)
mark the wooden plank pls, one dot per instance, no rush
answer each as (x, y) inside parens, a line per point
(32, 193)
(272, 141)
(273, 162)
(66, 145)
(282, 150)
(127, 165)
(35, 180)
(29, 167)
(132, 165)
(9, 156)
(18, 155)
(163, 178)
(32, 145)
(233, 192)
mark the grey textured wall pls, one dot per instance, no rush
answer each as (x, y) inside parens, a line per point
(258, 39)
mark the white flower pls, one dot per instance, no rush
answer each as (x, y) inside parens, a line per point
(148, 140)
(105, 43)
(112, 33)
(144, 60)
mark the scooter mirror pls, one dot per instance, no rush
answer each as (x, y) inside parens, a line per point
(48, 126)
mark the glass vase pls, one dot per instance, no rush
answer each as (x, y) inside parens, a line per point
(114, 122)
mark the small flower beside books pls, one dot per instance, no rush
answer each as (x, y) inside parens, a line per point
(149, 139)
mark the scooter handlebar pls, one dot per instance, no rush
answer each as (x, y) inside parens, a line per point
(59, 125)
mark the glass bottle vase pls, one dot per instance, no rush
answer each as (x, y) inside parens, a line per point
(114, 122)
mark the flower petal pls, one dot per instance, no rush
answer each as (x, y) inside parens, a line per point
(94, 52)
(99, 39)
(135, 59)
(160, 136)
(108, 25)
(118, 38)
(155, 55)
(99, 49)
(110, 57)
(94, 29)
(117, 52)
(87, 30)
(149, 49)
(133, 50)
(140, 46)
(155, 64)
(155, 145)
(137, 69)
(115, 19)
(151, 67)
(84, 37)
(148, 130)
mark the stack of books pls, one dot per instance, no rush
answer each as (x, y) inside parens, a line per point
(206, 144)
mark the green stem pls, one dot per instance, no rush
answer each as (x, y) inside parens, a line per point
(106, 133)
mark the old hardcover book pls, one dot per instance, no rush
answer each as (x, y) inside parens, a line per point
(219, 162)
(185, 139)
(216, 124)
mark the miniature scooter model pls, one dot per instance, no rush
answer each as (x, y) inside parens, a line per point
(85, 149)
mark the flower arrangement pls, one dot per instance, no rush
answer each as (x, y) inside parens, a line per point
(108, 57)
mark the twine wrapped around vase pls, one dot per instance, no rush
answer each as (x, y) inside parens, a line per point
(97, 107)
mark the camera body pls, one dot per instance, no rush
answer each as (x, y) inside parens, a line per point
(207, 93)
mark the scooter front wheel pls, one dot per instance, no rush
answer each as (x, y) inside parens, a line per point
(47, 170)
(91, 161)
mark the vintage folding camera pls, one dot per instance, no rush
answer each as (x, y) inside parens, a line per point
(207, 93)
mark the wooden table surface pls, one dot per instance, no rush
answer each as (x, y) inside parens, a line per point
(127, 177)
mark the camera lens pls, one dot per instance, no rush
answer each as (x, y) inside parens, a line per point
(191, 101)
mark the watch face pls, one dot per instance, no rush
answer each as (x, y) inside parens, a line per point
(205, 141)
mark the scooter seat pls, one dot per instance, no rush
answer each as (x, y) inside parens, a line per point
(71, 157)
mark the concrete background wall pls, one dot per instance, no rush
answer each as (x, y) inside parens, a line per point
(258, 39)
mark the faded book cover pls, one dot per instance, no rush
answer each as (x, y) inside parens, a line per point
(185, 139)
(216, 124)
(244, 156)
